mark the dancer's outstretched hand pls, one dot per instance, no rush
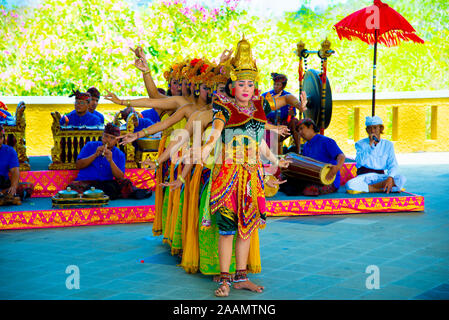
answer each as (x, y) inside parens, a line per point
(283, 130)
(226, 55)
(284, 163)
(148, 164)
(138, 51)
(141, 64)
(127, 138)
(112, 97)
(173, 185)
(273, 183)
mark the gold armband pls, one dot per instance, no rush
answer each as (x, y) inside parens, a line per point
(219, 116)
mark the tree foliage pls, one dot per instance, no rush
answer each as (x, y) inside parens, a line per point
(64, 44)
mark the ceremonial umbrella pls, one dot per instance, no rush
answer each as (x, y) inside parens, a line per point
(378, 23)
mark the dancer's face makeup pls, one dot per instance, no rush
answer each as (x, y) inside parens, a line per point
(204, 91)
(221, 89)
(175, 88)
(244, 91)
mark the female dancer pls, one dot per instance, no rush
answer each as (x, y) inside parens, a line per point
(237, 196)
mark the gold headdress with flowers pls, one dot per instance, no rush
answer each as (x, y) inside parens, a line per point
(174, 72)
(206, 73)
(190, 72)
(243, 67)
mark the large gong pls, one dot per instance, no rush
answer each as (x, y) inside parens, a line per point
(312, 87)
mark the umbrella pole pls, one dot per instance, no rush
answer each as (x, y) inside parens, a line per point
(374, 74)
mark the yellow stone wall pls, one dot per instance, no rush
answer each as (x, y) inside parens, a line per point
(407, 115)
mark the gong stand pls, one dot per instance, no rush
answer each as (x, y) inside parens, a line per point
(323, 54)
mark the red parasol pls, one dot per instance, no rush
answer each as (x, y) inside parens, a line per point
(378, 23)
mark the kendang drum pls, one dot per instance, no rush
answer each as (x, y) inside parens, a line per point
(305, 168)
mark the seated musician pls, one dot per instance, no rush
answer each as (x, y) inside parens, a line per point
(323, 149)
(102, 165)
(140, 122)
(374, 156)
(80, 116)
(286, 114)
(9, 172)
(95, 97)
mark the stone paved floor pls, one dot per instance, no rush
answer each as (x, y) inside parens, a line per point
(302, 257)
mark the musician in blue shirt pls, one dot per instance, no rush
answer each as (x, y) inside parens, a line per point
(285, 115)
(10, 184)
(95, 97)
(323, 149)
(80, 116)
(377, 168)
(102, 165)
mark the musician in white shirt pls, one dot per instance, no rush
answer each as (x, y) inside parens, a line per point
(377, 168)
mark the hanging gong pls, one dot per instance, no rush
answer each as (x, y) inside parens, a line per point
(312, 87)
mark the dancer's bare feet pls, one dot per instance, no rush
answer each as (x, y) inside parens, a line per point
(223, 290)
(248, 285)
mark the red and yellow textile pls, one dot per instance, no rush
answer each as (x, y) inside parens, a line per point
(403, 202)
(400, 202)
(48, 183)
(75, 217)
(238, 187)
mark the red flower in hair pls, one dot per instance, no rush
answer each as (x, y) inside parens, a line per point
(204, 68)
(194, 62)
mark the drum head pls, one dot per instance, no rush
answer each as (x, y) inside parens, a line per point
(269, 191)
(323, 175)
(312, 87)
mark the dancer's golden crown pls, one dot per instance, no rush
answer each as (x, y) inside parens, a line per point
(243, 67)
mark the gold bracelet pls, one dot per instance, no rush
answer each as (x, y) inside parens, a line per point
(181, 179)
(146, 72)
(145, 131)
(157, 163)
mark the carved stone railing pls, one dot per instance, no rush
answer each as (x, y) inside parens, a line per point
(15, 135)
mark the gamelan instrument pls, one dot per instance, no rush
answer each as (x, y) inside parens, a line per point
(104, 149)
(305, 168)
(70, 198)
(6, 199)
